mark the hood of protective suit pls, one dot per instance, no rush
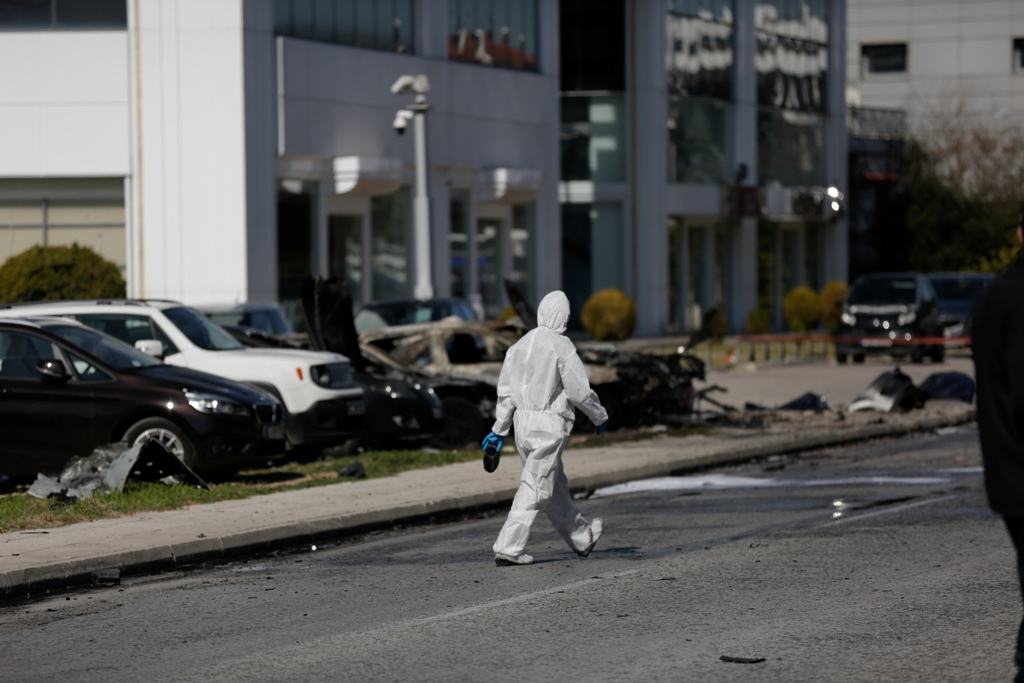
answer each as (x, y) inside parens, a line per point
(553, 311)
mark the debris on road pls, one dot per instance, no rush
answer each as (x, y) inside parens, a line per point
(356, 470)
(742, 660)
(893, 391)
(109, 467)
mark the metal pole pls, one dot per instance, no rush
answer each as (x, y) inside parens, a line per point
(424, 281)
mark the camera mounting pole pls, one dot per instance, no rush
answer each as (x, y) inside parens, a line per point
(424, 288)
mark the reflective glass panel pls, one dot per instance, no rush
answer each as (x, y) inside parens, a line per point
(700, 140)
(360, 23)
(593, 136)
(458, 247)
(522, 261)
(791, 148)
(700, 52)
(488, 249)
(345, 253)
(390, 245)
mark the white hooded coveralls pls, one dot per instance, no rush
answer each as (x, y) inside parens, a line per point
(541, 380)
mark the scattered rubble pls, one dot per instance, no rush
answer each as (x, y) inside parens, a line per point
(109, 468)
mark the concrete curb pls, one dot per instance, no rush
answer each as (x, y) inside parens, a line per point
(598, 468)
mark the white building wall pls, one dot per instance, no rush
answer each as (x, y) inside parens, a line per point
(959, 52)
(64, 109)
(191, 194)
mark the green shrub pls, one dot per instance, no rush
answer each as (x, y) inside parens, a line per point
(832, 297)
(759, 321)
(609, 315)
(719, 325)
(802, 309)
(52, 273)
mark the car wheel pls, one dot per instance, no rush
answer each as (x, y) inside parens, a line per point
(917, 355)
(840, 358)
(167, 433)
(858, 358)
(938, 354)
(463, 424)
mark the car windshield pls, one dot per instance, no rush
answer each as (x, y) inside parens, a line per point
(114, 352)
(883, 291)
(407, 312)
(958, 288)
(201, 331)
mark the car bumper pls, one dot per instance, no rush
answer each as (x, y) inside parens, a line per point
(219, 445)
(327, 422)
(893, 342)
(400, 418)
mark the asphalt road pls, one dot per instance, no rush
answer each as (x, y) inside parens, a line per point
(876, 562)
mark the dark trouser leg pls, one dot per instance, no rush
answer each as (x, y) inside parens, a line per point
(1015, 525)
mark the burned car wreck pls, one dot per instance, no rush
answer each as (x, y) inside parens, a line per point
(460, 361)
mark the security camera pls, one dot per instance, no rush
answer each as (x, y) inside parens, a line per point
(401, 121)
(411, 84)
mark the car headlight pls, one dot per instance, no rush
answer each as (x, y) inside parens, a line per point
(214, 404)
(848, 318)
(907, 318)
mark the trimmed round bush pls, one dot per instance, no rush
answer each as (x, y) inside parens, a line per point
(719, 325)
(759, 321)
(60, 272)
(801, 308)
(609, 315)
(832, 297)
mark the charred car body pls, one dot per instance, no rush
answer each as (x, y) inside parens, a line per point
(461, 360)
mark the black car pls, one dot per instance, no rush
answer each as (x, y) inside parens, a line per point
(66, 388)
(890, 313)
(956, 293)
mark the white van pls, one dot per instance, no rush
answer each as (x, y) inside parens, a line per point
(324, 406)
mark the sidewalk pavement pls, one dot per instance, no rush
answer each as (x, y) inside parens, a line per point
(88, 552)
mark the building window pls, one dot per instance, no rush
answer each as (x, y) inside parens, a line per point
(593, 136)
(593, 253)
(1018, 55)
(359, 23)
(699, 140)
(391, 245)
(592, 42)
(883, 59)
(501, 33)
(63, 15)
(61, 212)
(699, 44)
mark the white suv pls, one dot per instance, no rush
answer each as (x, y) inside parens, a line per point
(323, 404)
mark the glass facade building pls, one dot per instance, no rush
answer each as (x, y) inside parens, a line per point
(677, 150)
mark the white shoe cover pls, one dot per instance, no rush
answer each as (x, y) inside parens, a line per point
(503, 560)
(596, 527)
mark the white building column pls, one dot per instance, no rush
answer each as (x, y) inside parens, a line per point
(203, 115)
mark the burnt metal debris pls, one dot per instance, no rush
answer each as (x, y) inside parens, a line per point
(893, 391)
(110, 467)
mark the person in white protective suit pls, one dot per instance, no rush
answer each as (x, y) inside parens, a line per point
(541, 381)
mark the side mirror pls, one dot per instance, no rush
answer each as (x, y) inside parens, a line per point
(53, 371)
(152, 347)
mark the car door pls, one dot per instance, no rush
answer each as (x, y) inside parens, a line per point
(44, 422)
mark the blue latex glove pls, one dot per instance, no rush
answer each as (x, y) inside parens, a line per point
(493, 439)
(601, 427)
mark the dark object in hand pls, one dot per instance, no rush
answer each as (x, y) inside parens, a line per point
(491, 458)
